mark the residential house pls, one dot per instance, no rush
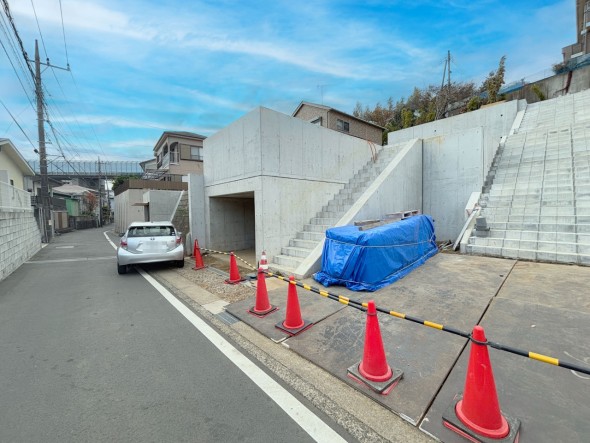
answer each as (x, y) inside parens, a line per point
(161, 193)
(176, 154)
(20, 237)
(14, 169)
(339, 121)
(74, 207)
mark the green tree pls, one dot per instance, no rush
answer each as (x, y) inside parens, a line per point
(494, 81)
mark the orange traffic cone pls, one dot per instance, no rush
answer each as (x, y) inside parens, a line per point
(476, 416)
(197, 256)
(263, 306)
(234, 273)
(293, 323)
(373, 370)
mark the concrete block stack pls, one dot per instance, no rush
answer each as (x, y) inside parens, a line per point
(538, 204)
(314, 232)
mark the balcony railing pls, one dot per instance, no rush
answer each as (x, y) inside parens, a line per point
(13, 199)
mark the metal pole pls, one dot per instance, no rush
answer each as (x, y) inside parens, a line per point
(45, 203)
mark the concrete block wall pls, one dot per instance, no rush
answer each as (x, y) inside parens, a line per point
(20, 239)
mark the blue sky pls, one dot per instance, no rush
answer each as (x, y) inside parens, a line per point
(142, 67)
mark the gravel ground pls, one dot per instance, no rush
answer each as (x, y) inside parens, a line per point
(213, 278)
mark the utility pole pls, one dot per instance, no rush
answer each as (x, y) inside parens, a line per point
(45, 201)
(46, 220)
(99, 197)
(441, 107)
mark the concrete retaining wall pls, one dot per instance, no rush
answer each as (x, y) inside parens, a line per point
(453, 168)
(161, 204)
(290, 167)
(125, 212)
(458, 152)
(397, 188)
(197, 221)
(20, 239)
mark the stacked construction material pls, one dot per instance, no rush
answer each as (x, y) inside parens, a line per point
(369, 260)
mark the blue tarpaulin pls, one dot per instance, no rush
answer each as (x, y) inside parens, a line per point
(369, 260)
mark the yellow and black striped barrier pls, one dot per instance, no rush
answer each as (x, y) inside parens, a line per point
(228, 253)
(363, 306)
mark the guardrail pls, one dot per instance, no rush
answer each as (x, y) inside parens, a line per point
(13, 199)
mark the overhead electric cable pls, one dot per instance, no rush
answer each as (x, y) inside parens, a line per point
(64, 33)
(40, 33)
(19, 126)
(20, 42)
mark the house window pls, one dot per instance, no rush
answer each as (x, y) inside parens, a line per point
(316, 121)
(196, 153)
(174, 153)
(11, 182)
(341, 125)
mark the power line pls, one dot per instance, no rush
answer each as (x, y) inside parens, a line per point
(40, 33)
(17, 75)
(20, 42)
(17, 124)
(64, 33)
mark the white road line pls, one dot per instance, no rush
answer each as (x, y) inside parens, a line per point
(66, 260)
(307, 420)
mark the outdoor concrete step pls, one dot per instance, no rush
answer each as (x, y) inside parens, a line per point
(286, 261)
(327, 221)
(562, 237)
(305, 235)
(553, 211)
(530, 189)
(306, 244)
(279, 269)
(522, 182)
(528, 254)
(350, 195)
(315, 228)
(343, 202)
(537, 218)
(293, 251)
(537, 245)
(330, 213)
(336, 208)
(540, 227)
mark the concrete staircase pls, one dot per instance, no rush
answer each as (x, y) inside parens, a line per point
(314, 232)
(180, 218)
(536, 200)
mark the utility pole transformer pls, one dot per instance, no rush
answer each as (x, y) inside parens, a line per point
(45, 200)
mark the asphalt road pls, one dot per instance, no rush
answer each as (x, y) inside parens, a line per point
(89, 355)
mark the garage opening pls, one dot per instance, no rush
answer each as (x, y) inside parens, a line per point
(232, 224)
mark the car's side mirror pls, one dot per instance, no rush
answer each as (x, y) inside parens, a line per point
(121, 234)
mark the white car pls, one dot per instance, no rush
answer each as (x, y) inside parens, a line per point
(149, 242)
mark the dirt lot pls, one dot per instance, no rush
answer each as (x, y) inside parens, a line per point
(213, 278)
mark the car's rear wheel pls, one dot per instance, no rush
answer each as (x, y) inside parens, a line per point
(180, 263)
(122, 269)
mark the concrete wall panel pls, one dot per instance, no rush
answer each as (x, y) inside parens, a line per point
(453, 168)
(125, 212)
(234, 227)
(496, 121)
(161, 204)
(197, 219)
